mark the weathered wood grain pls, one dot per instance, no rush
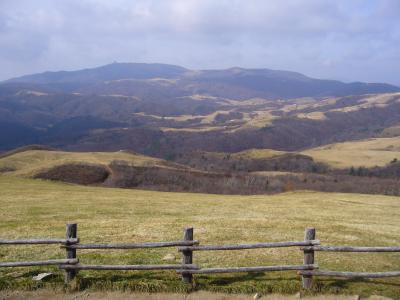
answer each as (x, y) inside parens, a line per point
(250, 246)
(308, 259)
(128, 267)
(38, 241)
(132, 245)
(70, 233)
(187, 255)
(38, 263)
(352, 249)
(250, 269)
(351, 274)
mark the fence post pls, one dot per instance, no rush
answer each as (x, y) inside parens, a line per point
(187, 255)
(308, 257)
(71, 232)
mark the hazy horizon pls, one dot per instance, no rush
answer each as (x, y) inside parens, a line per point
(192, 69)
(340, 40)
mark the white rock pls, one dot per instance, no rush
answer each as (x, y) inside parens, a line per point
(41, 276)
(257, 296)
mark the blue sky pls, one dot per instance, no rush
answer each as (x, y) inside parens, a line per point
(349, 40)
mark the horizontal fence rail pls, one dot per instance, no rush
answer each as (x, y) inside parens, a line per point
(132, 246)
(251, 269)
(249, 246)
(351, 274)
(128, 267)
(39, 263)
(38, 241)
(187, 246)
(352, 249)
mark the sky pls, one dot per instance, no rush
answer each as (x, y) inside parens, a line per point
(349, 40)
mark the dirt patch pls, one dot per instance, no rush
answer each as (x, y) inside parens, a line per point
(76, 173)
(42, 295)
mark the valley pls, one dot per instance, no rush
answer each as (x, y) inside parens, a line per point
(166, 111)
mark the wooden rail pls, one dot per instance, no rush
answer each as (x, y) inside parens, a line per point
(128, 267)
(39, 263)
(249, 246)
(187, 246)
(351, 274)
(352, 249)
(131, 246)
(38, 241)
(250, 269)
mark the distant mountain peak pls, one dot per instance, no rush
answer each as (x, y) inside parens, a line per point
(113, 71)
(235, 82)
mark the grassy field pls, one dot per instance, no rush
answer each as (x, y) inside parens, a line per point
(391, 131)
(362, 153)
(359, 153)
(30, 162)
(257, 154)
(34, 208)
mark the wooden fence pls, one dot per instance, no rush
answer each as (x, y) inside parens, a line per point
(187, 246)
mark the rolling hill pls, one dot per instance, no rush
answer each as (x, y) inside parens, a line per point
(363, 153)
(125, 170)
(168, 111)
(358, 153)
(367, 166)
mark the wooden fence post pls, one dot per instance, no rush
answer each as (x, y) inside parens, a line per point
(308, 257)
(71, 232)
(187, 255)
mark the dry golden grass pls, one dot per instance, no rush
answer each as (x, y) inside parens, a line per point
(361, 153)
(257, 112)
(194, 129)
(34, 208)
(257, 154)
(258, 119)
(378, 100)
(277, 173)
(391, 131)
(315, 115)
(28, 163)
(181, 118)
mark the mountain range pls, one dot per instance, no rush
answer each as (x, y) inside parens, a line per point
(169, 111)
(235, 83)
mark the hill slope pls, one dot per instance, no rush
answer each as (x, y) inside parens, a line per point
(362, 153)
(31, 162)
(126, 170)
(168, 111)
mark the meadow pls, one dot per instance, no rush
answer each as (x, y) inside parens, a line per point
(360, 153)
(28, 163)
(36, 208)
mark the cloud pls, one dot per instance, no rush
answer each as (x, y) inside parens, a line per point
(351, 40)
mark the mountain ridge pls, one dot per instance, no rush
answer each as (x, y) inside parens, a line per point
(167, 111)
(235, 82)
